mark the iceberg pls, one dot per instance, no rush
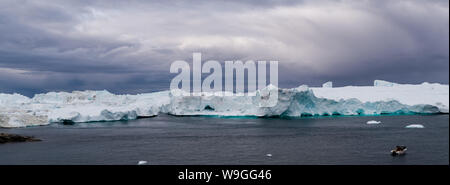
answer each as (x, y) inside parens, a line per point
(328, 84)
(78, 106)
(383, 83)
(89, 106)
(426, 95)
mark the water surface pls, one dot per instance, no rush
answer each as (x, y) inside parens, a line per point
(205, 140)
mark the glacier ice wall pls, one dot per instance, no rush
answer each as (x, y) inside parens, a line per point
(87, 106)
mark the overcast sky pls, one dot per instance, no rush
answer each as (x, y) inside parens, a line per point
(127, 47)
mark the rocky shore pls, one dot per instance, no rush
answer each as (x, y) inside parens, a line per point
(6, 138)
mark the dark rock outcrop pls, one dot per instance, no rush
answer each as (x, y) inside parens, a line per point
(6, 138)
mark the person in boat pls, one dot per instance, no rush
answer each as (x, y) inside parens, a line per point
(400, 148)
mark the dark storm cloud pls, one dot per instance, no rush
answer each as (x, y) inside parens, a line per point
(127, 47)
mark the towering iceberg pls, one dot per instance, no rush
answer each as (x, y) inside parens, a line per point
(87, 106)
(295, 102)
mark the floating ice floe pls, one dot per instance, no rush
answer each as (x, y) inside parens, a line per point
(373, 122)
(88, 106)
(415, 126)
(142, 162)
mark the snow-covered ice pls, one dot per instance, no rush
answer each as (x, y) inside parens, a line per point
(415, 126)
(87, 106)
(373, 122)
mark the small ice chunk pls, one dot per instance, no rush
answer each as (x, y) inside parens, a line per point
(142, 162)
(373, 122)
(415, 126)
(328, 84)
(269, 155)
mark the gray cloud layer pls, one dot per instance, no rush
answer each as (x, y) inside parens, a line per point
(127, 47)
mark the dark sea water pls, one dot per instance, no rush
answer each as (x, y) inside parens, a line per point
(206, 140)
